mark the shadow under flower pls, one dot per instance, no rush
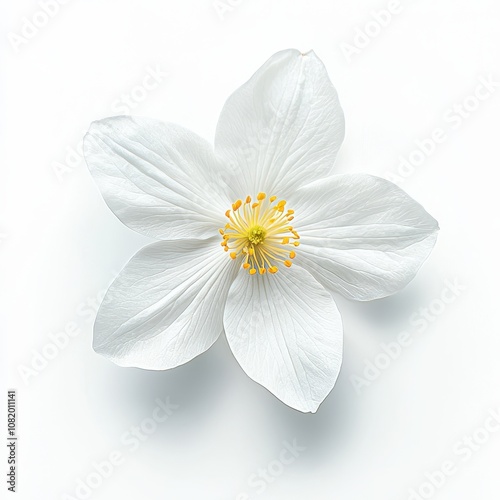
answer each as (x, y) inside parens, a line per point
(213, 384)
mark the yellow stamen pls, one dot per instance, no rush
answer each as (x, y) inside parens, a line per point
(259, 232)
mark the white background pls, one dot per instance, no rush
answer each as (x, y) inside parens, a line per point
(60, 246)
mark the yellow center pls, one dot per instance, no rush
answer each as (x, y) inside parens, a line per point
(256, 235)
(260, 234)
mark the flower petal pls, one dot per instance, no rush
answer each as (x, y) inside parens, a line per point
(166, 306)
(361, 235)
(281, 129)
(286, 333)
(156, 177)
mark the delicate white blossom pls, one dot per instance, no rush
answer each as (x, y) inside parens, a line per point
(253, 233)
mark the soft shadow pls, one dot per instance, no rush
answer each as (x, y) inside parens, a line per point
(387, 313)
(209, 385)
(125, 396)
(328, 430)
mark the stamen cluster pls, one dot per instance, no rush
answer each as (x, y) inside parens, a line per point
(260, 234)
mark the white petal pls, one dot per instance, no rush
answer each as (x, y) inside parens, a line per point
(361, 235)
(281, 129)
(166, 306)
(286, 333)
(156, 177)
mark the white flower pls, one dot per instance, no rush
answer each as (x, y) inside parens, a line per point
(228, 237)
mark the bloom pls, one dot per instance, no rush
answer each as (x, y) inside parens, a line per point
(254, 234)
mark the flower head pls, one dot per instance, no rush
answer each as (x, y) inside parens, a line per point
(253, 234)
